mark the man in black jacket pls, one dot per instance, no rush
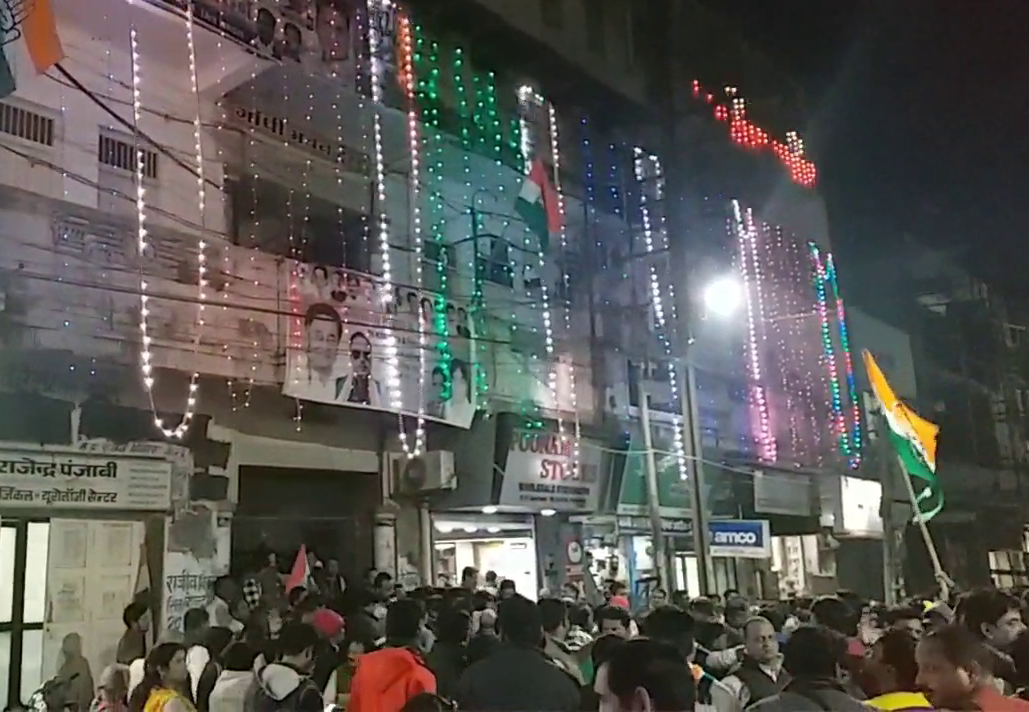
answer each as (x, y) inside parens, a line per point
(518, 675)
(285, 684)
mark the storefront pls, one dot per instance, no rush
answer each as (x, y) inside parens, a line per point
(72, 529)
(513, 504)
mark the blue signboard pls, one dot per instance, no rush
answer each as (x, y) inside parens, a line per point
(741, 538)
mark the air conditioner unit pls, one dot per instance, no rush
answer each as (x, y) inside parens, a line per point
(429, 472)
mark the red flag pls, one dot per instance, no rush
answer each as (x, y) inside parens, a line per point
(300, 572)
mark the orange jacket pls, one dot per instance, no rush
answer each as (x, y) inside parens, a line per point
(386, 679)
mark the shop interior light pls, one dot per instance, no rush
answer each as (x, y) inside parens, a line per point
(489, 509)
(547, 512)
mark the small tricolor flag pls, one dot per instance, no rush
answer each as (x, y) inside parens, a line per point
(301, 571)
(38, 46)
(538, 204)
(912, 436)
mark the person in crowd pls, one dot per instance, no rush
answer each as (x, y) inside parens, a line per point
(215, 641)
(937, 615)
(737, 613)
(362, 621)
(580, 632)
(195, 624)
(222, 597)
(995, 618)
(614, 620)
(891, 673)
(448, 657)
(490, 582)
(600, 652)
(74, 673)
(759, 675)
(903, 618)
(954, 670)
(507, 589)
(645, 674)
(132, 644)
(387, 679)
(234, 679)
(286, 684)
(813, 656)
(113, 692)
(498, 682)
(486, 639)
(554, 616)
(703, 610)
(165, 683)
(329, 654)
(272, 588)
(836, 614)
(334, 585)
(355, 648)
(470, 578)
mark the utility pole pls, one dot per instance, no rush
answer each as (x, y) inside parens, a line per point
(659, 549)
(694, 452)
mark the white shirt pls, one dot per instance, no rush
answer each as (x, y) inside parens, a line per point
(732, 695)
(219, 615)
(304, 384)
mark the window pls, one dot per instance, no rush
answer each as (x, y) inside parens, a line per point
(122, 154)
(268, 217)
(553, 13)
(595, 26)
(495, 266)
(26, 125)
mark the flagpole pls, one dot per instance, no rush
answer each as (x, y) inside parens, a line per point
(941, 576)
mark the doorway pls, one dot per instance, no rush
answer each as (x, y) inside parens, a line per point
(22, 606)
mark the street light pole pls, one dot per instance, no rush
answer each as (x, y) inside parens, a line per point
(693, 448)
(659, 551)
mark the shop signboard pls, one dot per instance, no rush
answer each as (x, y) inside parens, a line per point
(741, 538)
(674, 494)
(541, 472)
(70, 479)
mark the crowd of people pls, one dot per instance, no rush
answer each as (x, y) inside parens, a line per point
(375, 647)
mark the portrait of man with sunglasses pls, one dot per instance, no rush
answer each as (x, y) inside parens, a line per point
(359, 387)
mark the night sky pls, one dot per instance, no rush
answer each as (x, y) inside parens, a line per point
(919, 119)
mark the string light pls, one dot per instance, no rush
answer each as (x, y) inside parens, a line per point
(743, 226)
(745, 133)
(375, 9)
(414, 146)
(825, 281)
(143, 243)
(528, 99)
(658, 305)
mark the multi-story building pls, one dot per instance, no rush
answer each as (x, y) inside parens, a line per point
(265, 270)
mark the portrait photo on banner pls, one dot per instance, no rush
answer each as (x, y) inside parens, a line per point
(339, 354)
(326, 37)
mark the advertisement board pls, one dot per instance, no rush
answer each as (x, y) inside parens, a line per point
(741, 538)
(345, 339)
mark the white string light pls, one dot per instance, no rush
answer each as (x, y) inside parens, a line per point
(527, 97)
(143, 243)
(414, 143)
(375, 8)
(555, 151)
(658, 303)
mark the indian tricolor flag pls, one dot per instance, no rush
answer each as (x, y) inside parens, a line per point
(32, 47)
(913, 437)
(538, 204)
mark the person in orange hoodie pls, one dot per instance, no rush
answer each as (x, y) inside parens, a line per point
(387, 679)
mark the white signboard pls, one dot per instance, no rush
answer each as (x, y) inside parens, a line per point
(197, 539)
(67, 479)
(541, 473)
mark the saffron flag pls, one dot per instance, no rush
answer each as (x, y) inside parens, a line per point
(301, 571)
(914, 439)
(39, 46)
(538, 204)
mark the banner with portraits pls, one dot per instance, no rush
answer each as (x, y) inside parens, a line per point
(339, 352)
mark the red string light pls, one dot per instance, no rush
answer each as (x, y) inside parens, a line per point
(749, 135)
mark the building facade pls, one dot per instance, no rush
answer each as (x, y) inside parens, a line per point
(279, 248)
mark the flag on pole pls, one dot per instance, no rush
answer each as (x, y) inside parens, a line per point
(300, 572)
(538, 204)
(913, 437)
